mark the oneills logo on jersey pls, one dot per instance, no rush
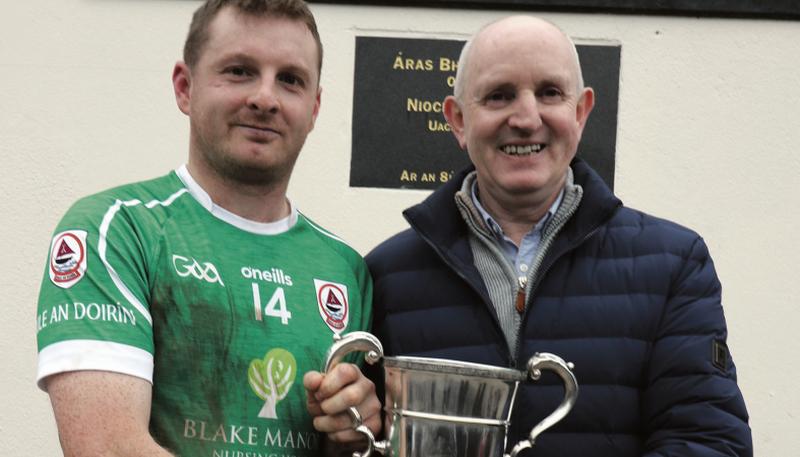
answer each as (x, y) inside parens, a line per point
(68, 258)
(332, 303)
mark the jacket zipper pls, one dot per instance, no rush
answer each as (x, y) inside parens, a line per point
(520, 304)
(539, 276)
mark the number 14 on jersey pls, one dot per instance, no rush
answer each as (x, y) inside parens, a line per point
(275, 307)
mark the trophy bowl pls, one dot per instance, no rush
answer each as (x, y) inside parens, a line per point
(448, 408)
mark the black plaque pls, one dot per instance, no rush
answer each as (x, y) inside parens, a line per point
(400, 136)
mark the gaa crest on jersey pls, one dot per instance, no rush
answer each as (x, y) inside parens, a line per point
(332, 304)
(189, 266)
(68, 258)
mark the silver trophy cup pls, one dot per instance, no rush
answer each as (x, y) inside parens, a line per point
(447, 408)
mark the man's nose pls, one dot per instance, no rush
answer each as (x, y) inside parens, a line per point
(264, 97)
(525, 113)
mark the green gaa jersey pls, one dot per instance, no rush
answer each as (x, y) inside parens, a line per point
(223, 315)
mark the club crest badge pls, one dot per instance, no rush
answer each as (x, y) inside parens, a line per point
(68, 258)
(332, 304)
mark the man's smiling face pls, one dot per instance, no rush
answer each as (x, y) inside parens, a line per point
(252, 97)
(522, 110)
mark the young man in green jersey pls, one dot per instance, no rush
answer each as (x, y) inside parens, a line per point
(177, 316)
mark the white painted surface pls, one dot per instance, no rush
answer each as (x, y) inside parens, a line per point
(708, 136)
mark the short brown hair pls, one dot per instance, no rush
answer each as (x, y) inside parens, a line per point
(289, 9)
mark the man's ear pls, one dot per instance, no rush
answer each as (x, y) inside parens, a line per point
(455, 117)
(182, 85)
(585, 105)
(315, 112)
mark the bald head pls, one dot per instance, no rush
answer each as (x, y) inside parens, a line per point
(508, 32)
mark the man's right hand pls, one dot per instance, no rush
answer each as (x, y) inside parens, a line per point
(330, 395)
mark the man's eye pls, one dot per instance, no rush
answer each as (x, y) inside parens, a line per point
(291, 79)
(551, 93)
(237, 71)
(499, 96)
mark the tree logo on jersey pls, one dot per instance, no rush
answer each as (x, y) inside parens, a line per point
(68, 258)
(332, 303)
(190, 267)
(271, 379)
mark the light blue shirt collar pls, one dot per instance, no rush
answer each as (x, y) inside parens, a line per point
(519, 256)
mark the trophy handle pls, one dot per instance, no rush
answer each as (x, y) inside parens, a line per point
(546, 361)
(373, 349)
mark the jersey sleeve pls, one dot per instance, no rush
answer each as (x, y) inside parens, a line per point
(93, 303)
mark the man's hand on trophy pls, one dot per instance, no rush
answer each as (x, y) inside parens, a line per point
(330, 396)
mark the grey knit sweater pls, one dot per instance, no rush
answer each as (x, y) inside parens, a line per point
(498, 274)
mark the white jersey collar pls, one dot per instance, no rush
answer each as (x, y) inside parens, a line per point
(261, 228)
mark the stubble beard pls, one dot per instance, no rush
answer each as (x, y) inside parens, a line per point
(237, 172)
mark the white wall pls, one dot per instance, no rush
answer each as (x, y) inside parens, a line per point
(708, 136)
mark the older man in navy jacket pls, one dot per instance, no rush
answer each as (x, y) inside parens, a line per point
(530, 251)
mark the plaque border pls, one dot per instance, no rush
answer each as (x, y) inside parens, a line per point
(764, 9)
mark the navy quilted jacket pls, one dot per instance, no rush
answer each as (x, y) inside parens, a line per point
(632, 300)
